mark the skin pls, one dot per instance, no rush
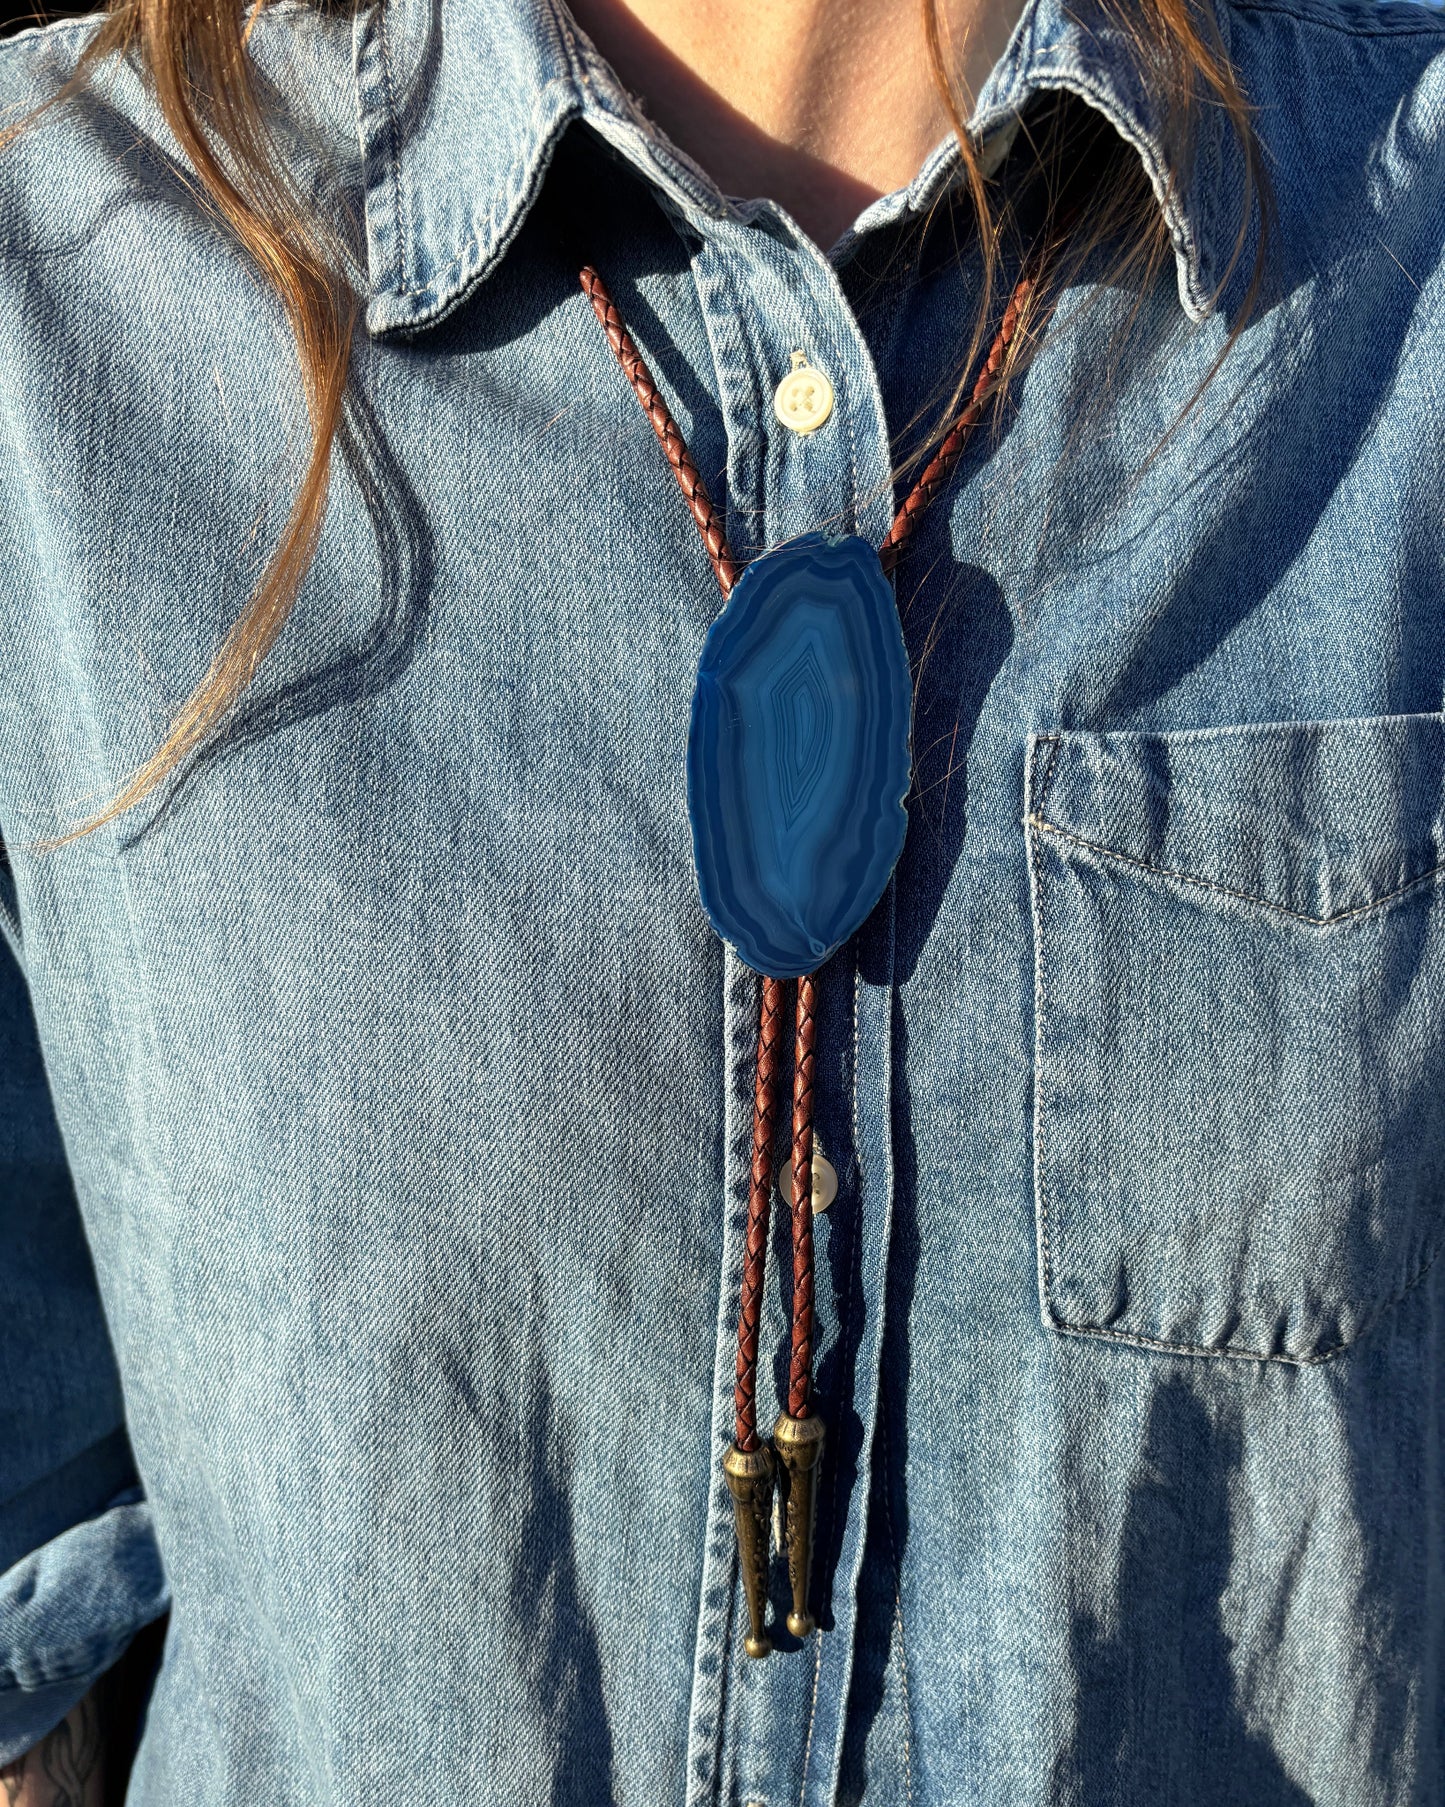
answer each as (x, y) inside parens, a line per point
(822, 105)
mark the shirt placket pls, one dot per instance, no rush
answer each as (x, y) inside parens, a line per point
(771, 1731)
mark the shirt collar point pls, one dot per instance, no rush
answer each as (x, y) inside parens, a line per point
(1077, 46)
(450, 170)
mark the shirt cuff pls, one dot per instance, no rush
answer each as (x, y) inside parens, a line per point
(67, 1612)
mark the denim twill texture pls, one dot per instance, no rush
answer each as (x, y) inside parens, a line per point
(369, 1293)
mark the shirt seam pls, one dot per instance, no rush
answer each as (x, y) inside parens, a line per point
(399, 201)
(56, 28)
(846, 1317)
(1424, 26)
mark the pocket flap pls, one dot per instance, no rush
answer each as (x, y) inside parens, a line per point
(1323, 820)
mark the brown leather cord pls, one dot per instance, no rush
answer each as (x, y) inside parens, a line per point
(760, 1193)
(934, 479)
(689, 479)
(800, 1368)
(936, 475)
(940, 468)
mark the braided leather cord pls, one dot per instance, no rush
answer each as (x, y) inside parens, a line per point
(935, 478)
(760, 1193)
(940, 468)
(689, 480)
(800, 1369)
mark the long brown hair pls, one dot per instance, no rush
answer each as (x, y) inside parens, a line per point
(194, 54)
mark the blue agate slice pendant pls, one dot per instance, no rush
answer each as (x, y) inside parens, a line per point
(798, 759)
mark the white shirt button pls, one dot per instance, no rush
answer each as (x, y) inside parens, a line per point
(825, 1182)
(804, 398)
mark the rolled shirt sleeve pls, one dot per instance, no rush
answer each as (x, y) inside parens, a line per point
(68, 1611)
(80, 1572)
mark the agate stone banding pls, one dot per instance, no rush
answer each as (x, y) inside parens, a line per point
(798, 758)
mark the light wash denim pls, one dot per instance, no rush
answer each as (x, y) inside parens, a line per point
(369, 1295)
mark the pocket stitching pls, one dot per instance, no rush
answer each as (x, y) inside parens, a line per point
(1033, 823)
(1041, 998)
(1205, 884)
(1232, 1351)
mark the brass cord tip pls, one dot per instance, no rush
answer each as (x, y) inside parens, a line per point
(750, 1477)
(799, 1443)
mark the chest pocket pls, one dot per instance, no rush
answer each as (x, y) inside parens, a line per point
(1240, 1061)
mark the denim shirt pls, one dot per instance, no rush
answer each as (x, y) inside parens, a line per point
(375, 1133)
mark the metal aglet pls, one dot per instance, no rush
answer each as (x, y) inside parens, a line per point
(750, 1475)
(799, 1443)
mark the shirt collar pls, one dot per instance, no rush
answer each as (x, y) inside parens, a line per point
(461, 104)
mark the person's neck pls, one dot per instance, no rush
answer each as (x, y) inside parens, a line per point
(821, 105)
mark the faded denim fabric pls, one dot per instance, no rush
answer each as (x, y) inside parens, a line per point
(370, 1295)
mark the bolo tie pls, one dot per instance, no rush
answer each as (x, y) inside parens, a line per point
(799, 763)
